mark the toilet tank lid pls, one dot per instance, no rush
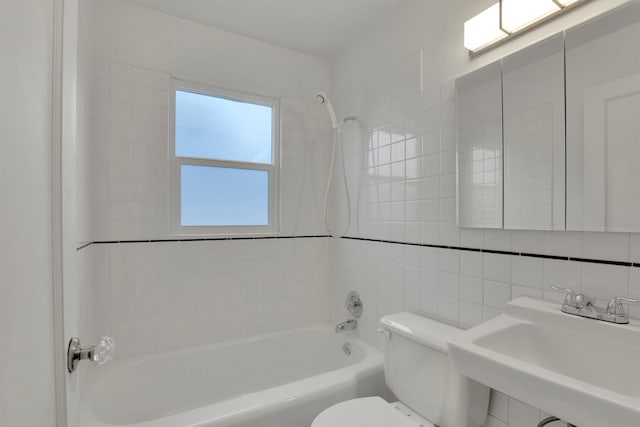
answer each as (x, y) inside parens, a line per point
(420, 329)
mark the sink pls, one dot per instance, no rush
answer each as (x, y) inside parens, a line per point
(584, 371)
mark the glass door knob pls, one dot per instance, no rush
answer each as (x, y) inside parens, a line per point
(102, 352)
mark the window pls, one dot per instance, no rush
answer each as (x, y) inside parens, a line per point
(224, 152)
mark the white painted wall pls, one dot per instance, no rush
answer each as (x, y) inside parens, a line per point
(75, 150)
(398, 79)
(26, 317)
(84, 130)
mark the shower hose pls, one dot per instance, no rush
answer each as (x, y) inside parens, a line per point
(337, 139)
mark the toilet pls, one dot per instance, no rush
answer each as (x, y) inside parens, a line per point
(418, 371)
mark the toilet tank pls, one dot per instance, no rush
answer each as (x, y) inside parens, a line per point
(418, 370)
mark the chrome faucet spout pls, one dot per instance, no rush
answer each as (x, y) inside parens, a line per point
(346, 326)
(584, 306)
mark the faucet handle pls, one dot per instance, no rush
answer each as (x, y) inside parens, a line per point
(570, 297)
(615, 307)
(581, 300)
(353, 304)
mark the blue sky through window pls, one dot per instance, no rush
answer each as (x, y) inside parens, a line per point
(215, 196)
(211, 127)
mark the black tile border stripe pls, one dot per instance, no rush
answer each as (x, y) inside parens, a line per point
(84, 245)
(492, 251)
(197, 239)
(604, 261)
(364, 239)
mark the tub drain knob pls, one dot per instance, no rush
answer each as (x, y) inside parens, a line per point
(101, 352)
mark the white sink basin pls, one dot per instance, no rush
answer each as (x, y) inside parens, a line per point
(584, 371)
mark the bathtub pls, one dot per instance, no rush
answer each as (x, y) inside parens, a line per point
(282, 379)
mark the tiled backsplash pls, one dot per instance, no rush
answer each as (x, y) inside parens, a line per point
(465, 288)
(462, 286)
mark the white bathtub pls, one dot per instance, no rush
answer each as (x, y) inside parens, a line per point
(277, 380)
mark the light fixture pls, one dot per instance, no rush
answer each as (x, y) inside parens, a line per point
(483, 29)
(518, 14)
(565, 3)
(508, 17)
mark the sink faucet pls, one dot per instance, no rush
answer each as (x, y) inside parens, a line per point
(346, 326)
(584, 306)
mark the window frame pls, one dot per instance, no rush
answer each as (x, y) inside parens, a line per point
(175, 163)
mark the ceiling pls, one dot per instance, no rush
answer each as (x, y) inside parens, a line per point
(318, 27)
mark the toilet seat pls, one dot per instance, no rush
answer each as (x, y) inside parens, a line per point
(365, 412)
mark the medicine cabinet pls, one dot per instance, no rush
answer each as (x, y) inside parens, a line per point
(603, 123)
(479, 134)
(536, 155)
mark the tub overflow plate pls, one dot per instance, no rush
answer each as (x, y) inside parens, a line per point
(346, 347)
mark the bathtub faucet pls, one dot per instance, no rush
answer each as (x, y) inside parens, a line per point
(347, 326)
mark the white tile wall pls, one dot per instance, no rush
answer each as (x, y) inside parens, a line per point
(462, 287)
(130, 164)
(155, 297)
(394, 277)
(135, 52)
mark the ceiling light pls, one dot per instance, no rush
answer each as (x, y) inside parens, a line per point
(565, 3)
(483, 29)
(508, 17)
(518, 14)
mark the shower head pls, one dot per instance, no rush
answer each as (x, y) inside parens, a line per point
(322, 98)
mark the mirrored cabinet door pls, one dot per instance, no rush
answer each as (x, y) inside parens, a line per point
(479, 139)
(603, 122)
(534, 139)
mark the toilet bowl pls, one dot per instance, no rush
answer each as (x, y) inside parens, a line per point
(371, 412)
(418, 371)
